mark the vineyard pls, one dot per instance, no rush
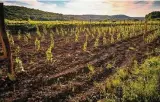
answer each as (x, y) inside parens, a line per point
(64, 61)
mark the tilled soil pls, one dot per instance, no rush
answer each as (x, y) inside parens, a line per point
(68, 78)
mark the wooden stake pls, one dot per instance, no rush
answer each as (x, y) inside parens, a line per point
(145, 28)
(3, 48)
(5, 41)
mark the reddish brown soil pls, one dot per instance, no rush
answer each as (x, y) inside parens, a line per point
(68, 78)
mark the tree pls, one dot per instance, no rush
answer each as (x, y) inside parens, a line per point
(153, 15)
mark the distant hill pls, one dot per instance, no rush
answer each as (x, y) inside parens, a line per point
(87, 17)
(153, 15)
(120, 17)
(102, 17)
(23, 13)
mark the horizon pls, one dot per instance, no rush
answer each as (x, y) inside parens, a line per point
(70, 14)
(132, 8)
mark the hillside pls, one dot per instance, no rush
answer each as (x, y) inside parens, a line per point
(23, 13)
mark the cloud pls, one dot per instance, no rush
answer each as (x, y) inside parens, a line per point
(31, 4)
(156, 4)
(99, 7)
(27, 2)
(87, 7)
(133, 7)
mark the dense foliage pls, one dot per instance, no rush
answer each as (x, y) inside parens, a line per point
(153, 15)
(139, 83)
(23, 13)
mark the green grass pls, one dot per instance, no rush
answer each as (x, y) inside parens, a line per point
(139, 83)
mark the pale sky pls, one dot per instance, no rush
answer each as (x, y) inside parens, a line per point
(134, 8)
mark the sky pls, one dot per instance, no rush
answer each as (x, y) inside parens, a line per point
(133, 8)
